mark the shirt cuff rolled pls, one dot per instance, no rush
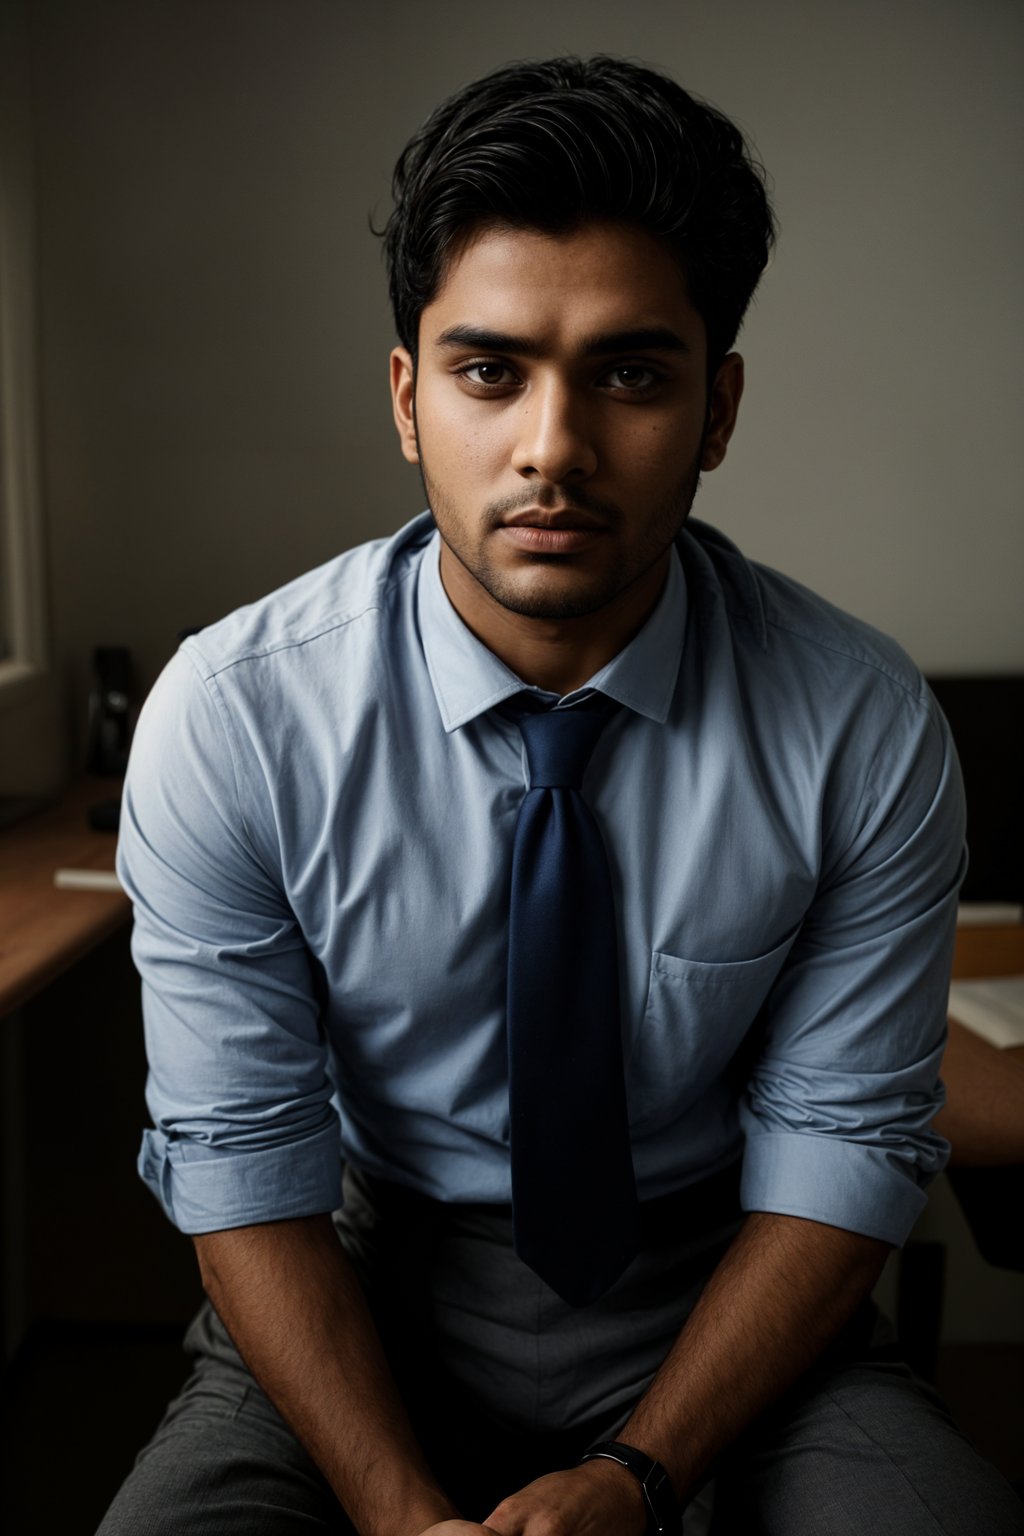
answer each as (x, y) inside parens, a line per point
(848, 1184)
(207, 1189)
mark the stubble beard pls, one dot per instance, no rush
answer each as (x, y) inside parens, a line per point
(664, 529)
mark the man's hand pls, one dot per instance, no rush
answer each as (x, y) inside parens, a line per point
(599, 1498)
(455, 1528)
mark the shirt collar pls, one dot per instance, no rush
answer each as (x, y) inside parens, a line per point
(469, 679)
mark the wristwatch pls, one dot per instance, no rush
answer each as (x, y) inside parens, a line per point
(663, 1513)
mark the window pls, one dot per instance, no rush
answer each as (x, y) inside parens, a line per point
(30, 746)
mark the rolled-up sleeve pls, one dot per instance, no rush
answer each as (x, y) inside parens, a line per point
(837, 1114)
(238, 1089)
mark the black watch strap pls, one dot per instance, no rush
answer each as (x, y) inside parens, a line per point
(663, 1513)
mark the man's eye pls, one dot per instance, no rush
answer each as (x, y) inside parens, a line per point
(632, 376)
(486, 373)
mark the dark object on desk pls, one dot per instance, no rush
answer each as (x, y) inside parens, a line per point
(986, 716)
(991, 1200)
(110, 723)
(106, 816)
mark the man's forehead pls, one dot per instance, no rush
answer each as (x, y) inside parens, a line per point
(599, 280)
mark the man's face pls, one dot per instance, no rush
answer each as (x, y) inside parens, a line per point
(560, 417)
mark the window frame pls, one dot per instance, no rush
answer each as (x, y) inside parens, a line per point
(31, 760)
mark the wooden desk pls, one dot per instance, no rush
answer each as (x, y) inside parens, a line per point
(96, 1248)
(982, 950)
(44, 930)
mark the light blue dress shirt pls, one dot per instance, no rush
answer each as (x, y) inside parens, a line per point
(317, 835)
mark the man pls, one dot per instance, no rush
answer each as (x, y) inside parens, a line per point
(347, 838)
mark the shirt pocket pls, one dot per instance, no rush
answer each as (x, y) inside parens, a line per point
(696, 1020)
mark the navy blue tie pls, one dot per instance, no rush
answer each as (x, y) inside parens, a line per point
(574, 1203)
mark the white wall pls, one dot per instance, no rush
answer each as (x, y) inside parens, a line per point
(215, 328)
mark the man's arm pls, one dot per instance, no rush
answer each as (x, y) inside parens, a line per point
(245, 1141)
(779, 1296)
(291, 1302)
(983, 1116)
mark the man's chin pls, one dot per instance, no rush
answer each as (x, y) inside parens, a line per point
(550, 600)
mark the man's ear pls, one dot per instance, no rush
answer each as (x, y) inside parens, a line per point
(403, 402)
(723, 406)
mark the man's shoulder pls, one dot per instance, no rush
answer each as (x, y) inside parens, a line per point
(321, 604)
(775, 615)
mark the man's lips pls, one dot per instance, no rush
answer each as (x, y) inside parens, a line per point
(538, 517)
(543, 532)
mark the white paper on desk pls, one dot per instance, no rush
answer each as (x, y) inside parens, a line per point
(992, 1008)
(86, 880)
(989, 914)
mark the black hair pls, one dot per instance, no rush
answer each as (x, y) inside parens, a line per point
(554, 144)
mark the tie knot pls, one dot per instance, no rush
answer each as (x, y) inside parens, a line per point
(559, 744)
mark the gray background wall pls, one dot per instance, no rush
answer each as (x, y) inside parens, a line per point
(215, 330)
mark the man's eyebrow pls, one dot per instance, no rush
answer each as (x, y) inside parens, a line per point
(650, 338)
(482, 340)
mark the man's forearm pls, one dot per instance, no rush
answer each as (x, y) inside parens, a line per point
(292, 1304)
(983, 1116)
(778, 1297)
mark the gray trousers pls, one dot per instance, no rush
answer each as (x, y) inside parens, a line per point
(505, 1382)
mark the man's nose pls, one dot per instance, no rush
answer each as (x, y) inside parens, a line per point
(555, 437)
